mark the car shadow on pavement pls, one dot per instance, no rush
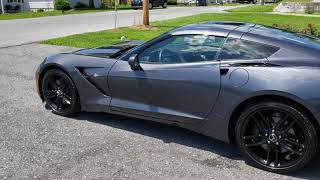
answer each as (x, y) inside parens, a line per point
(174, 134)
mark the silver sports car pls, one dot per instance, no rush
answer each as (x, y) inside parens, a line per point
(242, 83)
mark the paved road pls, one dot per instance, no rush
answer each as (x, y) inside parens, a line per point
(34, 143)
(23, 31)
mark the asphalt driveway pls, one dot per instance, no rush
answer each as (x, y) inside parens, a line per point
(23, 31)
(35, 144)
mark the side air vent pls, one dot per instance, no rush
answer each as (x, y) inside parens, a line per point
(94, 78)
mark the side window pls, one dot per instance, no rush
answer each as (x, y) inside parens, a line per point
(183, 49)
(235, 49)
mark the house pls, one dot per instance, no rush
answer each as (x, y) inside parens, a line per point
(208, 2)
(33, 5)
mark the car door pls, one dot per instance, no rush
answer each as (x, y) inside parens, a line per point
(156, 2)
(179, 80)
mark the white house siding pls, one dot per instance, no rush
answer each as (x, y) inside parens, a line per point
(208, 1)
(38, 4)
(32, 5)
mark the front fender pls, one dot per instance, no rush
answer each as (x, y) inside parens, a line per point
(89, 75)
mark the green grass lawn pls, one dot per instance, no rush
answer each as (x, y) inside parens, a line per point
(255, 8)
(296, 1)
(96, 39)
(53, 13)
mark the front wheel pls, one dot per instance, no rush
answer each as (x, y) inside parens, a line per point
(276, 137)
(60, 93)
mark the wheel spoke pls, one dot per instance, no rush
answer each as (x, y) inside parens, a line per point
(278, 125)
(58, 102)
(276, 156)
(67, 96)
(53, 84)
(63, 84)
(265, 121)
(268, 154)
(288, 127)
(50, 94)
(295, 143)
(259, 143)
(252, 137)
(66, 101)
(259, 125)
(290, 149)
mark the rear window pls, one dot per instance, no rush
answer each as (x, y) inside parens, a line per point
(299, 39)
(238, 49)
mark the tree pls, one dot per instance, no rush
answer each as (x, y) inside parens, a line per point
(146, 12)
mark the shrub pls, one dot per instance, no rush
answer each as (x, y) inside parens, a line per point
(7, 7)
(311, 29)
(40, 10)
(309, 8)
(172, 2)
(17, 7)
(80, 5)
(62, 5)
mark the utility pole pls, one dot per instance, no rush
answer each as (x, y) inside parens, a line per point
(116, 14)
(146, 12)
(2, 8)
(21, 6)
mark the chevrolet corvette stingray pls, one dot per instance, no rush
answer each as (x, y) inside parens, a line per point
(242, 83)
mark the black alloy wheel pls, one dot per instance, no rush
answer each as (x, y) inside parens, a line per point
(276, 137)
(60, 93)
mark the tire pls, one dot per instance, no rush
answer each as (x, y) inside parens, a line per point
(286, 127)
(150, 6)
(60, 93)
(164, 5)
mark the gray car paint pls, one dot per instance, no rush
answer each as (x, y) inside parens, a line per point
(206, 106)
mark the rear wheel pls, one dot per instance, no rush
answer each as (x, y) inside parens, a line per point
(276, 137)
(164, 4)
(60, 93)
(150, 6)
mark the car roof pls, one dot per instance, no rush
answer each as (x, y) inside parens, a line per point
(218, 28)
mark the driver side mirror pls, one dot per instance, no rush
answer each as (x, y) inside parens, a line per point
(134, 62)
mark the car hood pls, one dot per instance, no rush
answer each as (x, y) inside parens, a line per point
(112, 51)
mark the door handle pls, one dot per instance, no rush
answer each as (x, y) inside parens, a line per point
(224, 69)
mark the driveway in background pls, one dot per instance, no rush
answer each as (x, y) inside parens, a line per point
(24, 31)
